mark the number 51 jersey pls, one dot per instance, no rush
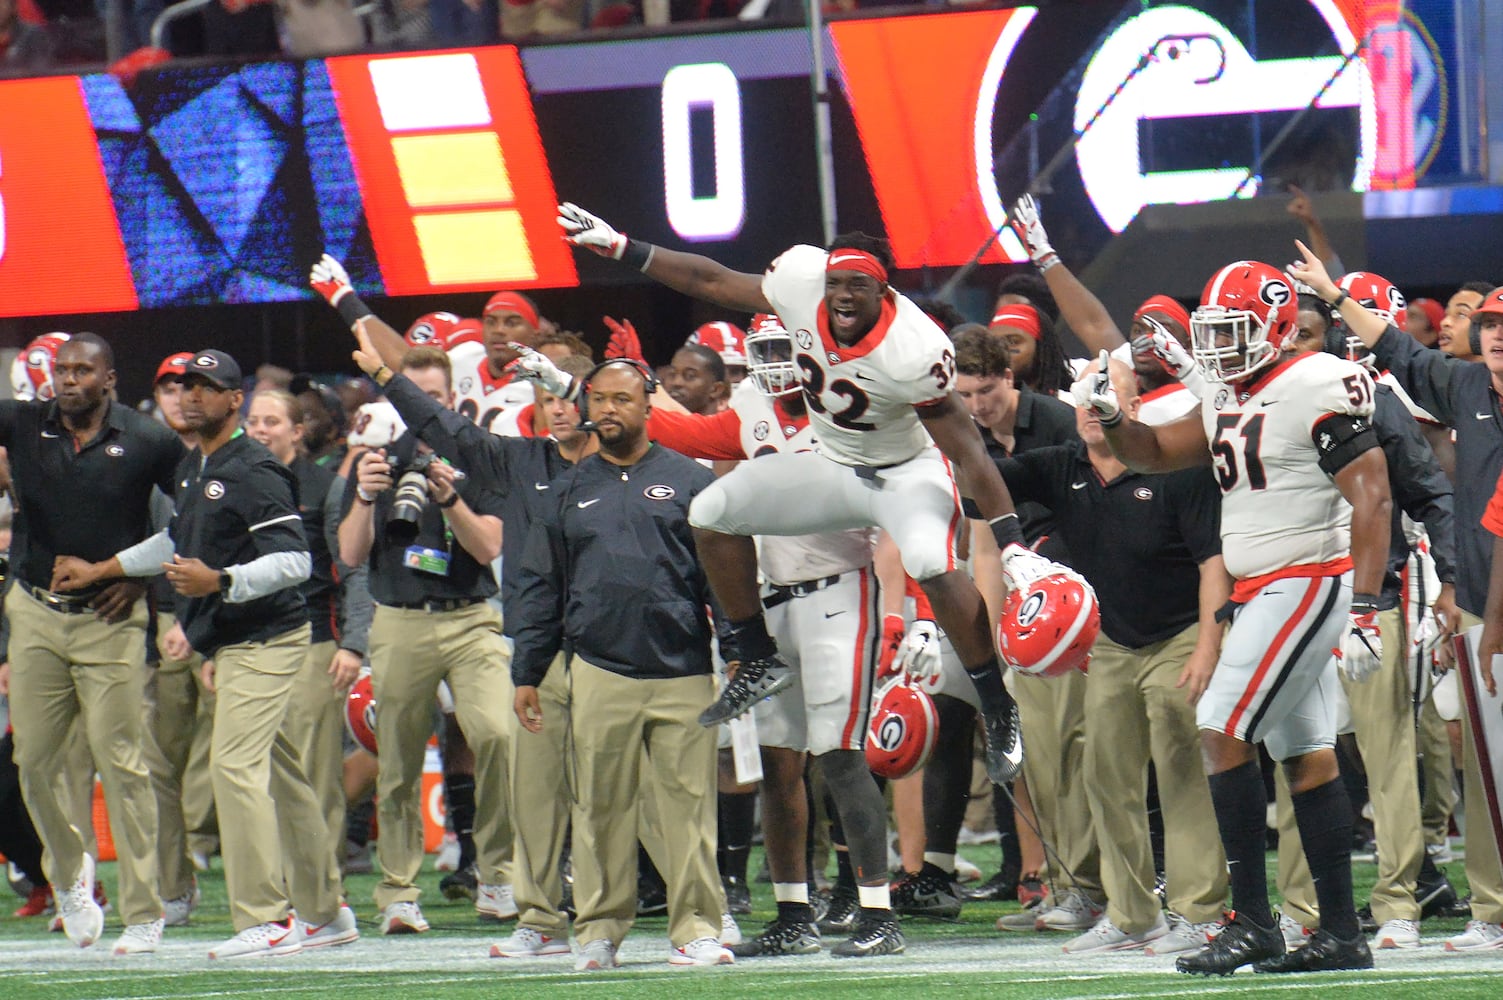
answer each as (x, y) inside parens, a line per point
(1279, 509)
(861, 397)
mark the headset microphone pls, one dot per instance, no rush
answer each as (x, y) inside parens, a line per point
(589, 426)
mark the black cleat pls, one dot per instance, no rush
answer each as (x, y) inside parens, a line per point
(754, 681)
(1437, 897)
(1366, 921)
(652, 899)
(1004, 746)
(840, 913)
(928, 892)
(1000, 888)
(781, 937)
(877, 933)
(737, 896)
(1323, 952)
(461, 884)
(1240, 943)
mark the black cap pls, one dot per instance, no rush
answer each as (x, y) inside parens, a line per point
(215, 367)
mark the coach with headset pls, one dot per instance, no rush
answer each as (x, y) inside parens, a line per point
(612, 572)
(429, 543)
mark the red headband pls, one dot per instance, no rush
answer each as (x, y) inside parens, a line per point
(1164, 304)
(846, 259)
(512, 302)
(1025, 318)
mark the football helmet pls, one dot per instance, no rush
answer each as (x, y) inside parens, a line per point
(360, 712)
(376, 425)
(769, 356)
(726, 339)
(1246, 311)
(903, 726)
(1378, 295)
(31, 372)
(1048, 625)
(443, 330)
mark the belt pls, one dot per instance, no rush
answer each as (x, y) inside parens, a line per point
(63, 603)
(783, 593)
(438, 605)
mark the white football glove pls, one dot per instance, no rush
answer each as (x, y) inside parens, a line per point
(1022, 566)
(919, 654)
(588, 231)
(1026, 223)
(535, 366)
(1094, 392)
(1165, 348)
(1361, 652)
(329, 279)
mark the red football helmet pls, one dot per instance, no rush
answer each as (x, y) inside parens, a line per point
(1378, 295)
(1245, 313)
(360, 712)
(443, 330)
(31, 372)
(902, 730)
(1048, 626)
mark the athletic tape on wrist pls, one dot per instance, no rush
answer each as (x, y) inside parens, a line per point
(1006, 530)
(351, 309)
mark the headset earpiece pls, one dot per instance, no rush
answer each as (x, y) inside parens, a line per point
(649, 378)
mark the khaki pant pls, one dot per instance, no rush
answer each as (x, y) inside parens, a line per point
(267, 809)
(1382, 716)
(1053, 715)
(519, 20)
(1484, 871)
(1439, 798)
(614, 718)
(315, 724)
(1137, 715)
(411, 651)
(539, 787)
(174, 694)
(66, 667)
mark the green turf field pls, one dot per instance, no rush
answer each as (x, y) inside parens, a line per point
(966, 958)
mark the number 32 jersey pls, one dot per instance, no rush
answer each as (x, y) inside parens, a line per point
(1279, 509)
(861, 397)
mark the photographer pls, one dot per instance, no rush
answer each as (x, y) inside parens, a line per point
(429, 534)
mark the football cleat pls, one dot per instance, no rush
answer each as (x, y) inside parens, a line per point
(841, 912)
(781, 937)
(462, 884)
(1324, 952)
(877, 933)
(928, 892)
(1004, 745)
(1240, 943)
(360, 712)
(38, 902)
(903, 727)
(754, 681)
(737, 895)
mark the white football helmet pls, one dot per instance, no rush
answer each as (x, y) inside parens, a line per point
(769, 356)
(31, 372)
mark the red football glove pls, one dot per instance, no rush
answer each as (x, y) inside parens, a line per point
(624, 342)
(893, 631)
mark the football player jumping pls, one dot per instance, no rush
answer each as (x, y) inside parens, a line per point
(1288, 440)
(876, 374)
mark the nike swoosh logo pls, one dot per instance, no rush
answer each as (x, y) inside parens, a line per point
(585, 503)
(273, 942)
(48, 434)
(1267, 402)
(1077, 486)
(832, 614)
(540, 486)
(843, 258)
(1480, 416)
(865, 378)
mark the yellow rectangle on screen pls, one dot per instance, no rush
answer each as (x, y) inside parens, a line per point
(469, 247)
(467, 168)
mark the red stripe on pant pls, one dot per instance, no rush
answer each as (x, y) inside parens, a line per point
(861, 661)
(1270, 657)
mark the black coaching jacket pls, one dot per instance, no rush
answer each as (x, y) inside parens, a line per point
(611, 569)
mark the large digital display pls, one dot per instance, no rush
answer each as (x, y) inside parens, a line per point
(438, 172)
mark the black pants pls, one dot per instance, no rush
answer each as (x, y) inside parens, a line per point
(18, 838)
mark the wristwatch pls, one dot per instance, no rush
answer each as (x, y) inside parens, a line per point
(225, 582)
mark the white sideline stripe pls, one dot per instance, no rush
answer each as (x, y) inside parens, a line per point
(1305, 986)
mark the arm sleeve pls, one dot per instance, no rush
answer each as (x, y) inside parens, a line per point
(164, 468)
(355, 606)
(1419, 486)
(538, 602)
(267, 574)
(145, 558)
(449, 433)
(716, 437)
(1425, 374)
(1027, 478)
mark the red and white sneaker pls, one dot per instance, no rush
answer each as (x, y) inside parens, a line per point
(78, 906)
(341, 930)
(279, 937)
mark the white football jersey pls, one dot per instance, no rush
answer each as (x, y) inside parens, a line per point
(483, 399)
(861, 397)
(1166, 403)
(1416, 411)
(786, 559)
(1279, 509)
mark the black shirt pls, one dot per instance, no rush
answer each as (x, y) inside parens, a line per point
(391, 580)
(612, 570)
(1040, 422)
(90, 502)
(1139, 539)
(521, 469)
(1458, 393)
(235, 506)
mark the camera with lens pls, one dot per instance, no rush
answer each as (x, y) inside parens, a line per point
(410, 494)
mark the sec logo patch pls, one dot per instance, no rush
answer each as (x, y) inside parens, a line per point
(804, 338)
(214, 489)
(761, 431)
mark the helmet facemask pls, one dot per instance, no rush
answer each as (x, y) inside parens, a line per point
(769, 359)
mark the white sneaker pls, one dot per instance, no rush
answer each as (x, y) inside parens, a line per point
(283, 937)
(83, 919)
(496, 902)
(596, 955)
(1107, 936)
(528, 943)
(448, 854)
(730, 931)
(1183, 936)
(403, 918)
(341, 930)
(1294, 932)
(1397, 934)
(139, 939)
(701, 951)
(1478, 936)
(1073, 912)
(176, 911)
